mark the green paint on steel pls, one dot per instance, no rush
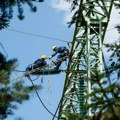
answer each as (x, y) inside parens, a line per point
(86, 57)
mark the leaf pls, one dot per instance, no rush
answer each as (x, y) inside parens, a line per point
(113, 54)
(118, 54)
(110, 59)
(107, 45)
(112, 64)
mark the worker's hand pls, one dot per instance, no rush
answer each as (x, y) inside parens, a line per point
(49, 57)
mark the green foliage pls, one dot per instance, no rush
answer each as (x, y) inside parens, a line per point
(4, 21)
(11, 94)
(118, 28)
(117, 4)
(74, 7)
(114, 49)
(74, 4)
(73, 116)
(105, 99)
(6, 10)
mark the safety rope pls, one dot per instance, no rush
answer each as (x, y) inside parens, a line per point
(36, 78)
(49, 95)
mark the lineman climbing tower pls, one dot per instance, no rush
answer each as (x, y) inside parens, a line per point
(86, 56)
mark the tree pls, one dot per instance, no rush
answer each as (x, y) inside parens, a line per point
(11, 93)
(114, 59)
(6, 10)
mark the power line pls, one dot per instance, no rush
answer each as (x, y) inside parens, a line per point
(46, 37)
(36, 35)
(57, 109)
(42, 101)
(24, 75)
(3, 49)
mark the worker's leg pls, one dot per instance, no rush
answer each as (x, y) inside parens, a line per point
(58, 65)
(35, 66)
(38, 65)
(28, 68)
(58, 61)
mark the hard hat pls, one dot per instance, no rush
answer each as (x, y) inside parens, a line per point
(43, 57)
(54, 47)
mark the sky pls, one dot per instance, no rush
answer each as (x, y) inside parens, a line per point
(50, 21)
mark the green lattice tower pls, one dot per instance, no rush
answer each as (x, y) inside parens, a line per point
(86, 56)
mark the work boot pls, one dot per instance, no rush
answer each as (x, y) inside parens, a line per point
(54, 62)
(57, 67)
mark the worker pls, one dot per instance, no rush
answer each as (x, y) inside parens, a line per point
(39, 63)
(63, 54)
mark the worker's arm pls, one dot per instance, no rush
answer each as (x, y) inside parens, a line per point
(36, 61)
(54, 54)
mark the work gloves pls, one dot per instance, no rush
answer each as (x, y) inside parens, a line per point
(49, 57)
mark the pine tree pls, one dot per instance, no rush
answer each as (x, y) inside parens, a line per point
(11, 93)
(6, 10)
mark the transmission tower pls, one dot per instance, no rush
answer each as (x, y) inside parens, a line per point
(86, 56)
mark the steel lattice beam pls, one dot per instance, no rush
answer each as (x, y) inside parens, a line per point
(86, 56)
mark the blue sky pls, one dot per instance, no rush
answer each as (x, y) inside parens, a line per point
(50, 21)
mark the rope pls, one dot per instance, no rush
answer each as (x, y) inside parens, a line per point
(49, 92)
(49, 86)
(41, 100)
(36, 78)
(36, 35)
